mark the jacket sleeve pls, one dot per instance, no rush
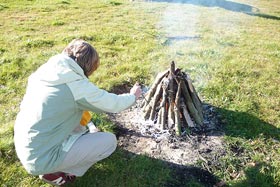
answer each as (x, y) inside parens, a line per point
(90, 97)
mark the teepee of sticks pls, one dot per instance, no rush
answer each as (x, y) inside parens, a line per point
(172, 101)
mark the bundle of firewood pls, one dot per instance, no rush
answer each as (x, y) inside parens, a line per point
(172, 101)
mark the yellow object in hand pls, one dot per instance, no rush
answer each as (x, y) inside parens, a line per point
(86, 117)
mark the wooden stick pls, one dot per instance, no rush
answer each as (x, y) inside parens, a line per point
(155, 100)
(178, 128)
(194, 96)
(167, 105)
(148, 103)
(143, 102)
(171, 116)
(193, 111)
(163, 118)
(186, 114)
(172, 68)
(147, 113)
(159, 118)
(192, 89)
(154, 86)
(163, 107)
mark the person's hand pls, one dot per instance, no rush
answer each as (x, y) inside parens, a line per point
(136, 90)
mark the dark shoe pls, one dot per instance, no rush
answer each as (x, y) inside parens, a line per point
(57, 179)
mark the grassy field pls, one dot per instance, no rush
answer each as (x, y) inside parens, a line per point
(230, 48)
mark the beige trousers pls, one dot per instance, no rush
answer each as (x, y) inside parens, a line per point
(87, 150)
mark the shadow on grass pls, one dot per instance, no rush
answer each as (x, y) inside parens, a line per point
(190, 176)
(127, 169)
(227, 5)
(244, 125)
(133, 170)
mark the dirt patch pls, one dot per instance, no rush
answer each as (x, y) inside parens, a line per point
(120, 89)
(196, 147)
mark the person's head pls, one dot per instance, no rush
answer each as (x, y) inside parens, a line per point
(84, 54)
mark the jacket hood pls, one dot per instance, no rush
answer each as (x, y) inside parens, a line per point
(59, 69)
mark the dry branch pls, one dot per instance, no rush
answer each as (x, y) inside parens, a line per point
(163, 109)
(154, 102)
(190, 105)
(171, 91)
(186, 114)
(154, 87)
(178, 129)
(194, 96)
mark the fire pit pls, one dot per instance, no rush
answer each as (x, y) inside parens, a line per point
(149, 127)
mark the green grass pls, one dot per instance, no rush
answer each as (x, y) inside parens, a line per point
(232, 56)
(129, 170)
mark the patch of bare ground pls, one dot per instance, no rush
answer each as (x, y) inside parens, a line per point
(191, 156)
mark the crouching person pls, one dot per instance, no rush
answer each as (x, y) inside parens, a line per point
(49, 138)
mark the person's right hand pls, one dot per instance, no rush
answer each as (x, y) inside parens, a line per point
(136, 90)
